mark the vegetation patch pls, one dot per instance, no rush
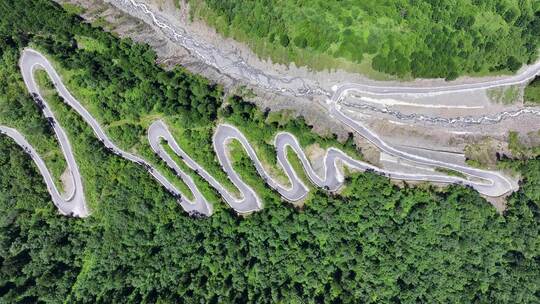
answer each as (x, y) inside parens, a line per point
(53, 157)
(481, 154)
(90, 44)
(206, 190)
(522, 150)
(532, 92)
(73, 8)
(506, 95)
(451, 172)
(405, 39)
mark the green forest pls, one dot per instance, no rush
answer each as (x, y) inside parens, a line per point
(421, 38)
(374, 242)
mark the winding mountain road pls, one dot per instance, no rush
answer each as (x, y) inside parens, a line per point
(73, 203)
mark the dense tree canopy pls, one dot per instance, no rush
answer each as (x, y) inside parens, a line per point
(423, 38)
(373, 242)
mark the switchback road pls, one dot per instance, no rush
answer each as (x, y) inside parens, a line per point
(74, 203)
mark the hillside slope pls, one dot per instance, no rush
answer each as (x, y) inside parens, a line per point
(424, 38)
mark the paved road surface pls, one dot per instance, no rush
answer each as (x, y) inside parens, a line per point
(486, 182)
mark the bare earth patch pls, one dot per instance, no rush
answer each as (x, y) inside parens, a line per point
(67, 183)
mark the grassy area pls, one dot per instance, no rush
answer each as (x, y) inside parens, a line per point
(532, 92)
(281, 118)
(90, 44)
(521, 150)
(204, 187)
(296, 164)
(73, 8)
(506, 95)
(451, 172)
(53, 158)
(245, 168)
(481, 154)
(197, 143)
(101, 22)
